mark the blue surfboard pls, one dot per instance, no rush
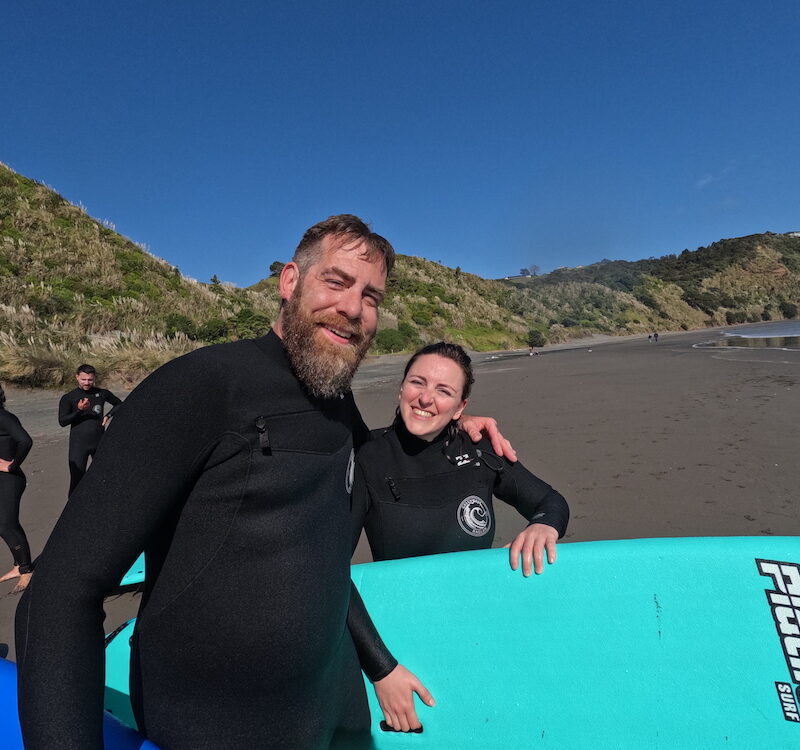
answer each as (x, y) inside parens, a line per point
(116, 735)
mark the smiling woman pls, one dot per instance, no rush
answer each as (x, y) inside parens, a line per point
(433, 393)
(422, 487)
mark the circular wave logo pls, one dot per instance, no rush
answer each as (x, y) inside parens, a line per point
(474, 516)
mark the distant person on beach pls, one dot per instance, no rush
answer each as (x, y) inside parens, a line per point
(655, 338)
(421, 488)
(232, 468)
(649, 338)
(15, 444)
(83, 410)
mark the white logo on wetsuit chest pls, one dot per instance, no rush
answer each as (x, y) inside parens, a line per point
(351, 471)
(474, 516)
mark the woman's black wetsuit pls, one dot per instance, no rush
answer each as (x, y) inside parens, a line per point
(15, 443)
(415, 497)
(236, 484)
(86, 426)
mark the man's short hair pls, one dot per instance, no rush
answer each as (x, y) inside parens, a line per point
(346, 226)
(88, 369)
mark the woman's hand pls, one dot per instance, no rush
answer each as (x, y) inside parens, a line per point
(476, 426)
(5, 465)
(531, 544)
(396, 695)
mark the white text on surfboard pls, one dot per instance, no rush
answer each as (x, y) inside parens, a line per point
(784, 603)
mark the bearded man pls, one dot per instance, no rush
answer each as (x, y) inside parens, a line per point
(230, 467)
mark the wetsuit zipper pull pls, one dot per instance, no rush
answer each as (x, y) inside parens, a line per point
(263, 436)
(395, 492)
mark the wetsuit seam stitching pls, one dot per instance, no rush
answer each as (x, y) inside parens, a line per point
(191, 581)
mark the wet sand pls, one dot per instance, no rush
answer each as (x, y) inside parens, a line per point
(644, 440)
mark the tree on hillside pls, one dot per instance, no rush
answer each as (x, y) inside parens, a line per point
(275, 268)
(536, 338)
(534, 269)
(524, 272)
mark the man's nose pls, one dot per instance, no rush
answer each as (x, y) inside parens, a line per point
(350, 304)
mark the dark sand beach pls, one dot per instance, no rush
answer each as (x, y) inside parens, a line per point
(643, 439)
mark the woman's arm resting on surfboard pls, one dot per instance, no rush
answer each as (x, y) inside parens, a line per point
(532, 544)
(396, 696)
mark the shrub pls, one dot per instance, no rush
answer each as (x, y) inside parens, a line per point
(536, 338)
(788, 309)
(390, 340)
(735, 316)
(175, 323)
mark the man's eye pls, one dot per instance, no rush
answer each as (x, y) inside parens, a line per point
(335, 283)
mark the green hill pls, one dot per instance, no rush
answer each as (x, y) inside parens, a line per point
(74, 290)
(738, 280)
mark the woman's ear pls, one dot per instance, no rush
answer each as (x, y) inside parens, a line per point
(460, 410)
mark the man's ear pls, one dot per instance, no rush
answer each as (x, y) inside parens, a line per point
(289, 279)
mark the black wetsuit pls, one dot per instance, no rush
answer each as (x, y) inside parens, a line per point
(15, 444)
(236, 483)
(86, 426)
(417, 498)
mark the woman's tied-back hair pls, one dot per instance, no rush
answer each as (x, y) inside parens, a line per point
(450, 351)
(350, 229)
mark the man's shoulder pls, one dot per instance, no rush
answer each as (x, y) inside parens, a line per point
(231, 354)
(231, 366)
(379, 443)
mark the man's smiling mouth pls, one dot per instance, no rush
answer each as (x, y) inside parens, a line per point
(337, 334)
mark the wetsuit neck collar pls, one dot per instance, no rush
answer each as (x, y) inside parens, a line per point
(411, 443)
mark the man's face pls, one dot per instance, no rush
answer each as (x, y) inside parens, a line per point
(331, 314)
(85, 380)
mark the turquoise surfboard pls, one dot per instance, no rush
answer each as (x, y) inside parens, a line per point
(135, 574)
(650, 643)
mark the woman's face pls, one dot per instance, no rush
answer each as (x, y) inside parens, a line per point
(430, 395)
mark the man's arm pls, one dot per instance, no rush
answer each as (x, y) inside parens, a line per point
(478, 427)
(68, 411)
(115, 401)
(146, 464)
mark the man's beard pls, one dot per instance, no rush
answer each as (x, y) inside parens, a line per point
(324, 368)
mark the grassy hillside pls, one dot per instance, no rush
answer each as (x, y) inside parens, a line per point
(73, 290)
(744, 279)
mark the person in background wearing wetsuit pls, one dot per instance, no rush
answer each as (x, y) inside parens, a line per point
(15, 444)
(421, 488)
(231, 467)
(83, 410)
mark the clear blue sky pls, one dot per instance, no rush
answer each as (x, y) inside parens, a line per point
(486, 135)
